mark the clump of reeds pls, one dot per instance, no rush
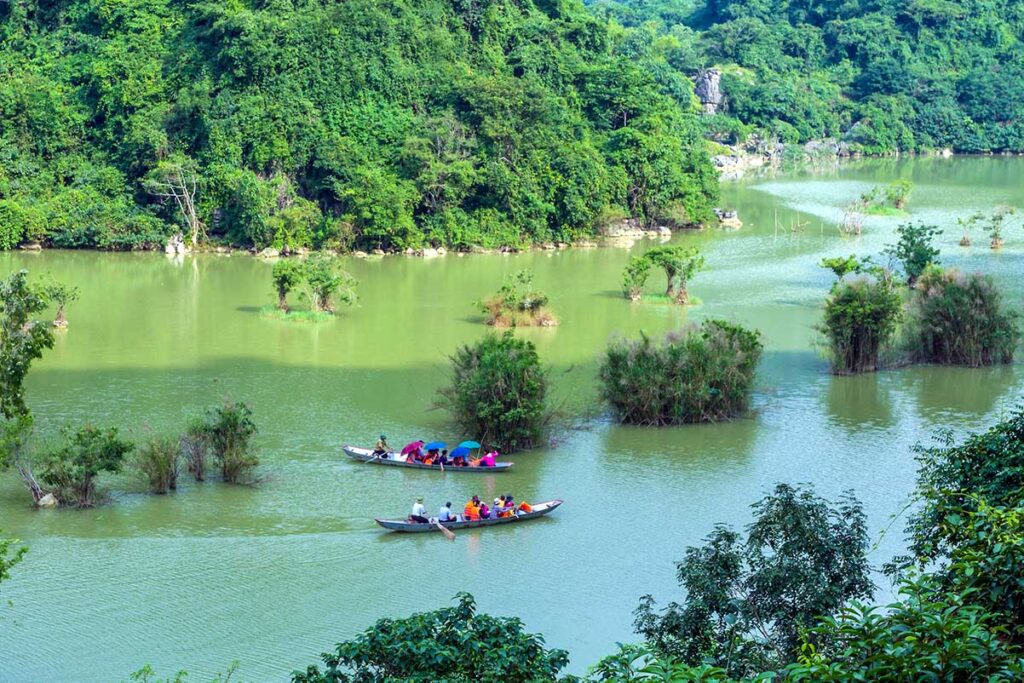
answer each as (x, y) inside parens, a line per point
(861, 316)
(518, 304)
(228, 432)
(159, 459)
(702, 374)
(960, 319)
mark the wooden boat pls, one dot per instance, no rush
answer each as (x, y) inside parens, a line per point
(539, 510)
(396, 460)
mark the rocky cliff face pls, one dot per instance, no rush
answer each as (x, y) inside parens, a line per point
(708, 90)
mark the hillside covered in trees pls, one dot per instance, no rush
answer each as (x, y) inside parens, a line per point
(883, 75)
(336, 124)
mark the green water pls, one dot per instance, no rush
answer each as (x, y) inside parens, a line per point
(274, 574)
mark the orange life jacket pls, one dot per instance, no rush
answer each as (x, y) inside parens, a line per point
(470, 512)
(525, 507)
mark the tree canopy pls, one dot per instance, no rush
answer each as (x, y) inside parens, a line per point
(882, 75)
(312, 123)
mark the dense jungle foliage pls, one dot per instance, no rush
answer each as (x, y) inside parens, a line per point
(320, 123)
(883, 75)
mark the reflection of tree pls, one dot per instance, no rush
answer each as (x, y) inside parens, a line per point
(857, 400)
(971, 391)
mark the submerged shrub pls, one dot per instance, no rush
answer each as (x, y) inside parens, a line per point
(960, 319)
(71, 469)
(701, 375)
(159, 459)
(497, 392)
(195, 449)
(518, 304)
(228, 430)
(861, 315)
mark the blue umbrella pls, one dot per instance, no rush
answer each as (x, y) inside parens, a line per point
(469, 444)
(435, 445)
(459, 452)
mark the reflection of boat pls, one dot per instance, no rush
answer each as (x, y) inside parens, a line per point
(539, 510)
(396, 460)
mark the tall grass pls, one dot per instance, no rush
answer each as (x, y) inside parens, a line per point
(861, 315)
(159, 459)
(960, 319)
(699, 375)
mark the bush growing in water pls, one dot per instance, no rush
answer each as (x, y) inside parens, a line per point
(228, 430)
(701, 375)
(960, 319)
(159, 459)
(497, 392)
(861, 315)
(518, 304)
(71, 470)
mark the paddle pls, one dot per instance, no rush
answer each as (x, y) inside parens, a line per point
(449, 534)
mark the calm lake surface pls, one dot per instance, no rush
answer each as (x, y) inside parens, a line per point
(274, 574)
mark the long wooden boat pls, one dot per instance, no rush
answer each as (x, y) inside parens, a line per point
(396, 460)
(539, 510)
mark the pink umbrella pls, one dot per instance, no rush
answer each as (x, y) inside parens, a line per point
(410, 447)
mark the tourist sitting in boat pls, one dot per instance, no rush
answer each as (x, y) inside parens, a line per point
(445, 513)
(488, 460)
(459, 461)
(382, 447)
(485, 512)
(443, 458)
(496, 508)
(419, 512)
(472, 510)
(510, 507)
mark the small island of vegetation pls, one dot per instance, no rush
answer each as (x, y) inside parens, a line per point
(518, 304)
(702, 374)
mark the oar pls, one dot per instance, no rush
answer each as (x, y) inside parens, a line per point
(449, 534)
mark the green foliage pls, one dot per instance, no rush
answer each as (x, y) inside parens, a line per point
(334, 125)
(844, 265)
(286, 274)
(228, 430)
(10, 555)
(747, 603)
(679, 263)
(961, 319)
(22, 339)
(634, 277)
(929, 634)
(159, 460)
(497, 392)
(860, 320)
(898, 192)
(914, 249)
(70, 470)
(701, 375)
(321, 279)
(453, 644)
(61, 295)
(970, 520)
(997, 222)
(518, 304)
(881, 77)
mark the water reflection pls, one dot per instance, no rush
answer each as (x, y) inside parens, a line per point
(859, 400)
